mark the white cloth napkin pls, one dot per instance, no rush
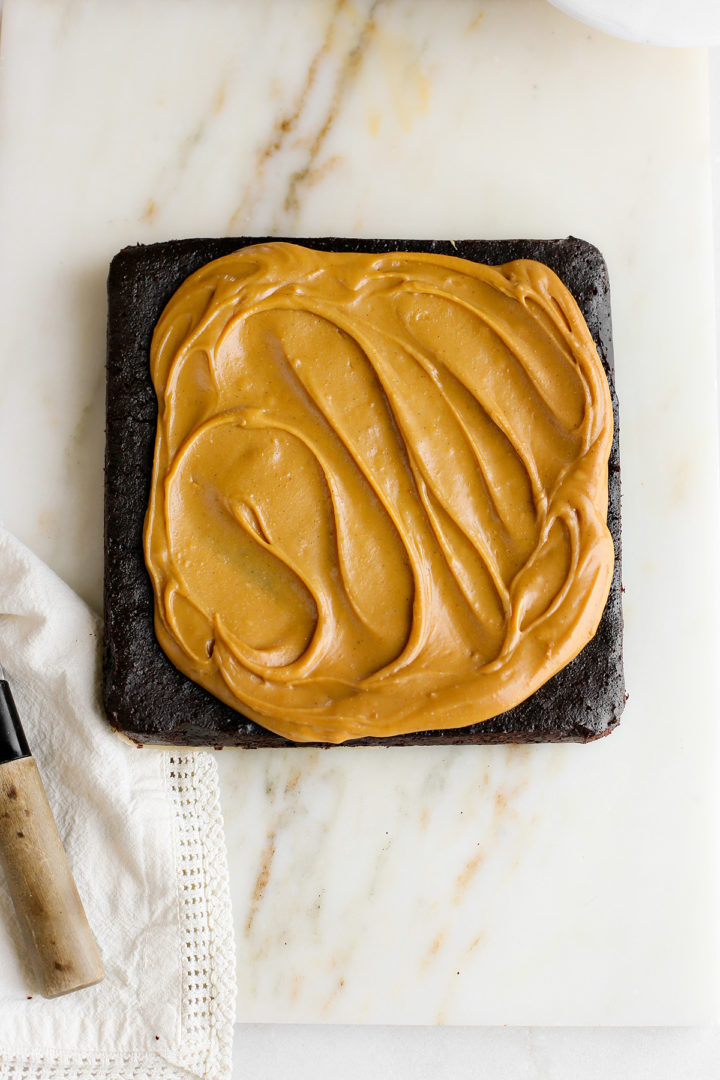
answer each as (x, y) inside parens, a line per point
(144, 836)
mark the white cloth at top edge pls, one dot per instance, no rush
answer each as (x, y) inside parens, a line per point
(144, 835)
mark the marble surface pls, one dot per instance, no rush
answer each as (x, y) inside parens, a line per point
(571, 885)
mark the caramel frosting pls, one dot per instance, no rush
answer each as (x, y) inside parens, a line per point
(379, 492)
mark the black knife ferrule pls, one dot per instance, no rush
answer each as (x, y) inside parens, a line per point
(13, 744)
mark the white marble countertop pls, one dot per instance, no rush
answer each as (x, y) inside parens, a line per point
(302, 168)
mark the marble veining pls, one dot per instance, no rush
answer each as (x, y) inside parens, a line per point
(297, 132)
(537, 885)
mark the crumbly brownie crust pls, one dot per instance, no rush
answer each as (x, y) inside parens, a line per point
(145, 696)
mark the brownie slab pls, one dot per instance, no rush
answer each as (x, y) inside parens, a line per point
(145, 696)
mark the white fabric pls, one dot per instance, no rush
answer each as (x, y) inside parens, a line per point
(144, 835)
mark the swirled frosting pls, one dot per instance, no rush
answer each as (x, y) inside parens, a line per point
(379, 491)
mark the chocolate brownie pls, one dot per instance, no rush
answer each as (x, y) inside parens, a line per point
(145, 695)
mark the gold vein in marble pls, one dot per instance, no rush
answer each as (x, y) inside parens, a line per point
(346, 75)
(287, 123)
(298, 127)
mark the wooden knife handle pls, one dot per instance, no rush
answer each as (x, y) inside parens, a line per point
(41, 884)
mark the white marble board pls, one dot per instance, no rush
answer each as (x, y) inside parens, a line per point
(541, 885)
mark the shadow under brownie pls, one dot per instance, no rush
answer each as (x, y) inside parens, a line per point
(152, 701)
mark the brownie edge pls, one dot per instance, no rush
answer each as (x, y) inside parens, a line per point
(149, 699)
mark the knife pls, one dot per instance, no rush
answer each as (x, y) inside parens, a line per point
(47, 904)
